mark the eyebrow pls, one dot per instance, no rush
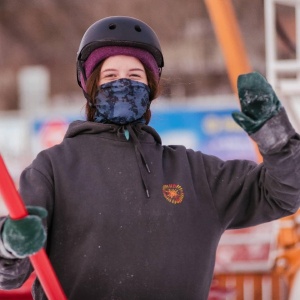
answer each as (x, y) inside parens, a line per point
(137, 69)
(111, 69)
(108, 70)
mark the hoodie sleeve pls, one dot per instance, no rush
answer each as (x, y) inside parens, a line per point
(246, 194)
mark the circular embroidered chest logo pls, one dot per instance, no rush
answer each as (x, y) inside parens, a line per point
(173, 193)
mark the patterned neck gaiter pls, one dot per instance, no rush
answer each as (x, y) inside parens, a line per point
(121, 102)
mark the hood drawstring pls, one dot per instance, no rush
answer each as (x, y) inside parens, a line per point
(129, 132)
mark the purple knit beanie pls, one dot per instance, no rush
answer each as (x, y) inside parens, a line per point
(99, 54)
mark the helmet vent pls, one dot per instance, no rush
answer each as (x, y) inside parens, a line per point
(112, 26)
(137, 28)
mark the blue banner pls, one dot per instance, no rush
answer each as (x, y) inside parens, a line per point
(209, 131)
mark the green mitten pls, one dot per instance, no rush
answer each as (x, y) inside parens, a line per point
(258, 101)
(25, 236)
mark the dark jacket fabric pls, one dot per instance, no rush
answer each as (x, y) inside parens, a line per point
(107, 239)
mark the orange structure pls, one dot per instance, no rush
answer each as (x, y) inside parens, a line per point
(229, 37)
(278, 282)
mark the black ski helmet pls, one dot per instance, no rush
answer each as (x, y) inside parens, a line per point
(118, 31)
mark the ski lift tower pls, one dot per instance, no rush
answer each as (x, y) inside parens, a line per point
(283, 74)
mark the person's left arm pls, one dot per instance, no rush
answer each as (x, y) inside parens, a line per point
(263, 117)
(246, 193)
(265, 120)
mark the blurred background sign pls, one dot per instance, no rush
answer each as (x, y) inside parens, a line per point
(211, 131)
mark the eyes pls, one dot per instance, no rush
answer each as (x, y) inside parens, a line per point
(115, 75)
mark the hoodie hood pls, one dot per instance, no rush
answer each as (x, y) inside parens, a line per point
(133, 133)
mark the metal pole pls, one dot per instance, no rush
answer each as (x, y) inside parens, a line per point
(270, 37)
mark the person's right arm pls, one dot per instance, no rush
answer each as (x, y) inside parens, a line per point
(13, 271)
(19, 239)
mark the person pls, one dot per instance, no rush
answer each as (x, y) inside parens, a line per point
(122, 216)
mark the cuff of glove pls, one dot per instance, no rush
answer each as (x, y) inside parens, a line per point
(3, 252)
(274, 134)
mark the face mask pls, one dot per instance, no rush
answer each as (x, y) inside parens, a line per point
(121, 102)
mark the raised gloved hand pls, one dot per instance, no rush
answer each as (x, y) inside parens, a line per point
(258, 101)
(25, 236)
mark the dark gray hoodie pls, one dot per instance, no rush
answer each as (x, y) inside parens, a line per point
(116, 231)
